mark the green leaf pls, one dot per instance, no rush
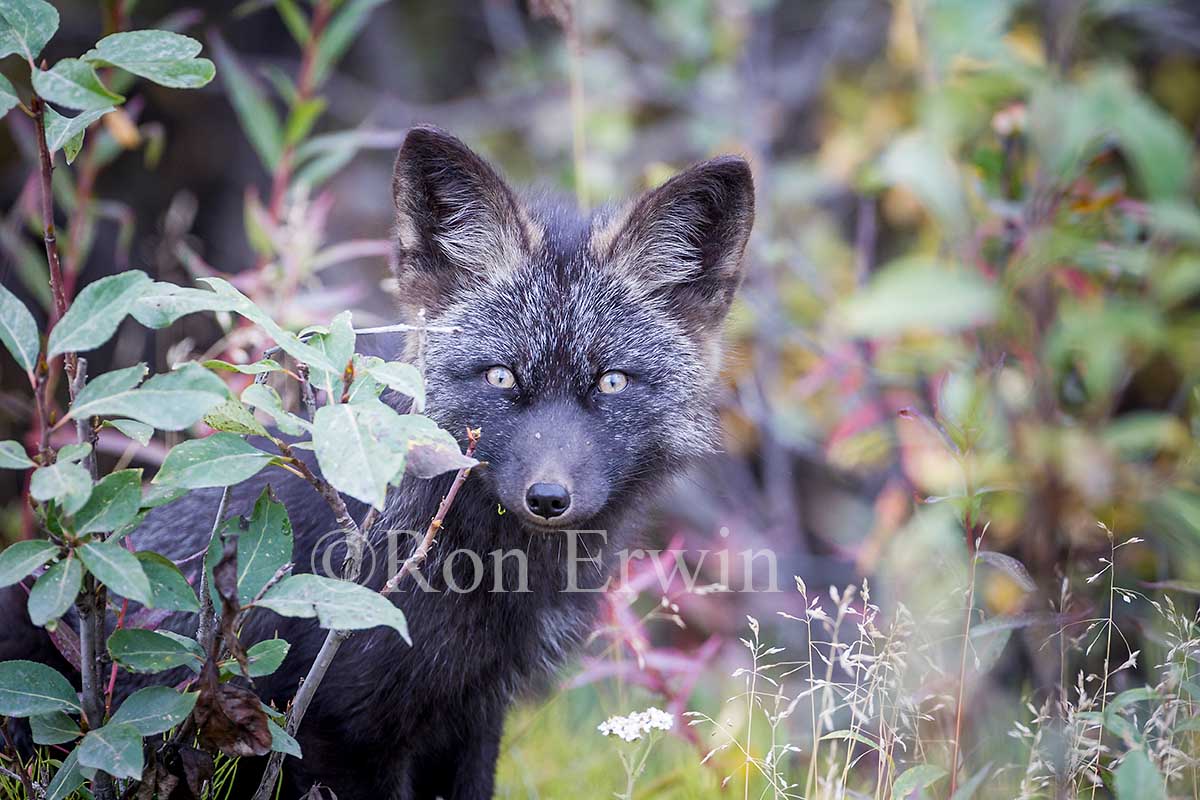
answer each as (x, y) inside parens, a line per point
(28, 688)
(94, 316)
(257, 368)
(152, 651)
(281, 741)
(919, 777)
(115, 501)
(55, 591)
(164, 303)
(356, 448)
(302, 118)
(169, 401)
(918, 295)
(139, 432)
(67, 483)
(116, 749)
(155, 709)
(264, 547)
(337, 344)
(264, 658)
(23, 557)
(12, 456)
(166, 58)
(54, 728)
(25, 27)
(254, 112)
(8, 96)
(222, 459)
(118, 569)
(66, 133)
(74, 452)
(339, 34)
(400, 377)
(74, 84)
(1138, 779)
(337, 604)
(287, 341)
(431, 450)
(169, 589)
(18, 330)
(267, 400)
(67, 779)
(233, 417)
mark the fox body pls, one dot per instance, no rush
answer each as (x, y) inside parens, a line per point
(588, 352)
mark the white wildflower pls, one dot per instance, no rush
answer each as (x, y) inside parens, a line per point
(632, 727)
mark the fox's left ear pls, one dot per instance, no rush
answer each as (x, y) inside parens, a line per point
(683, 242)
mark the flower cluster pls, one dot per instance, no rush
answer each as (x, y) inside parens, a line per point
(632, 727)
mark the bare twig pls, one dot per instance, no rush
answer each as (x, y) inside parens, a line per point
(21, 774)
(435, 524)
(207, 630)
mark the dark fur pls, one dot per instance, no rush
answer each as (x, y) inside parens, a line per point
(559, 299)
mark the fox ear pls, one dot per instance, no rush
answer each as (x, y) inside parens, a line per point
(457, 222)
(683, 242)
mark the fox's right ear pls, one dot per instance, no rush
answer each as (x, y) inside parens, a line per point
(457, 222)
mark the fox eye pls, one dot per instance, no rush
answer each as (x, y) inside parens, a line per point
(501, 377)
(612, 382)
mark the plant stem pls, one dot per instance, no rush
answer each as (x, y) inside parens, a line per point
(206, 631)
(435, 524)
(972, 550)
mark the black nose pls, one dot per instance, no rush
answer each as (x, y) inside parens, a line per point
(548, 500)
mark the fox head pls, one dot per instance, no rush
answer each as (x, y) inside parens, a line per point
(589, 347)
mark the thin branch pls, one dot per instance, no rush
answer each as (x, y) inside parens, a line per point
(206, 633)
(435, 524)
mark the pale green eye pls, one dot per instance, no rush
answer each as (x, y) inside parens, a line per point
(501, 377)
(613, 382)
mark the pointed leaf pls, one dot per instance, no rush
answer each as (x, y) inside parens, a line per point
(155, 709)
(66, 133)
(28, 688)
(169, 589)
(115, 500)
(74, 84)
(67, 779)
(21, 558)
(264, 658)
(12, 456)
(116, 568)
(116, 749)
(267, 400)
(403, 378)
(94, 316)
(18, 330)
(25, 27)
(233, 417)
(222, 459)
(169, 401)
(54, 728)
(164, 303)
(55, 591)
(257, 117)
(281, 741)
(151, 651)
(356, 448)
(168, 59)
(337, 604)
(63, 481)
(139, 432)
(264, 547)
